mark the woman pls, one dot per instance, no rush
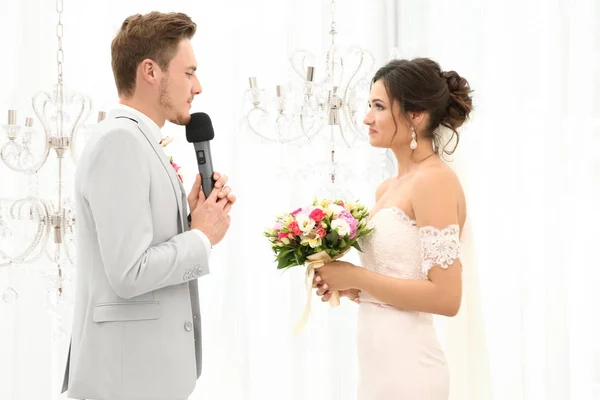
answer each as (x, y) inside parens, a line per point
(411, 266)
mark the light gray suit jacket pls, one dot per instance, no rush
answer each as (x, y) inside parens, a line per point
(136, 324)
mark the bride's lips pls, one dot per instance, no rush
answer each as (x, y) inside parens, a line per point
(372, 131)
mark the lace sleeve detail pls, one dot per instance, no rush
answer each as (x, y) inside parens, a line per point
(439, 246)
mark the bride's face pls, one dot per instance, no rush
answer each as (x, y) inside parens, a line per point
(386, 126)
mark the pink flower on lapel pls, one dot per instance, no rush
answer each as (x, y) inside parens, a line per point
(177, 169)
(163, 143)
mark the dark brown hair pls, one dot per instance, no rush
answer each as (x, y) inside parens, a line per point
(155, 36)
(420, 85)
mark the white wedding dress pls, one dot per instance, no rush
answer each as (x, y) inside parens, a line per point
(399, 354)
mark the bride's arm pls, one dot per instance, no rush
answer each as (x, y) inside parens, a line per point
(440, 294)
(436, 205)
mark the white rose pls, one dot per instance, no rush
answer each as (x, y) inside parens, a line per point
(340, 226)
(334, 209)
(304, 222)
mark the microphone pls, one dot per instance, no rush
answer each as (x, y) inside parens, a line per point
(199, 131)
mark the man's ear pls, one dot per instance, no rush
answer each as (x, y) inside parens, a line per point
(148, 70)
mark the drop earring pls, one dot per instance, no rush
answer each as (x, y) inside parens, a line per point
(413, 142)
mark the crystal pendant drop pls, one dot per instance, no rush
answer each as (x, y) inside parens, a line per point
(10, 295)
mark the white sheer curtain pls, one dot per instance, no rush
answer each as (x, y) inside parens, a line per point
(531, 172)
(532, 177)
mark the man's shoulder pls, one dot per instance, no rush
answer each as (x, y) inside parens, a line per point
(114, 130)
(117, 121)
(112, 136)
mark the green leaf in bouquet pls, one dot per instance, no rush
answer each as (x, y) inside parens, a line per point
(282, 263)
(284, 253)
(332, 237)
(356, 246)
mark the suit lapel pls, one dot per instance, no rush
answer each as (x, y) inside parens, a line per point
(151, 137)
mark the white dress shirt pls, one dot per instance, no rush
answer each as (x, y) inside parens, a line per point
(155, 131)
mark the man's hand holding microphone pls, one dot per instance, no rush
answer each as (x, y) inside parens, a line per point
(211, 215)
(209, 200)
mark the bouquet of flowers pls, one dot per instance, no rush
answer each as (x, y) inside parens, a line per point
(315, 235)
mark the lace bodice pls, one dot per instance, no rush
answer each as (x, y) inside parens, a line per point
(398, 247)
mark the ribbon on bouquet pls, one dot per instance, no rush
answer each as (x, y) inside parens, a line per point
(316, 261)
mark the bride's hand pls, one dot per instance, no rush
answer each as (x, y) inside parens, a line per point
(338, 275)
(352, 294)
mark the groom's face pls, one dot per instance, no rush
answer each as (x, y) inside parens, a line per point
(179, 84)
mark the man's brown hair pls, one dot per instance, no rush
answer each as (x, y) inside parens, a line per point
(155, 36)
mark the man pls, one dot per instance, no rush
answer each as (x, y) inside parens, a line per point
(136, 328)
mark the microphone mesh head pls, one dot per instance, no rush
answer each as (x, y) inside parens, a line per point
(200, 128)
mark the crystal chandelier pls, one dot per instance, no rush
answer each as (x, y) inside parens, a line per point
(26, 151)
(321, 112)
(300, 110)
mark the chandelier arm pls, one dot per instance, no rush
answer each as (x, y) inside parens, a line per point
(27, 170)
(303, 128)
(255, 131)
(28, 255)
(83, 114)
(349, 117)
(37, 167)
(42, 213)
(304, 55)
(47, 130)
(7, 160)
(70, 257)
(283, 139)
(31, 170)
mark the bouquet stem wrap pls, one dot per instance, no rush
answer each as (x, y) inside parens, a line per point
(316, 261)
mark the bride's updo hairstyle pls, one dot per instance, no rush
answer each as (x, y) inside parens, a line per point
(420, 85)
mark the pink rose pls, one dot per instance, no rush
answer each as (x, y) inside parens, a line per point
(317, 215)
(295, 212)
(295, 228)
(321, 232)
(282, 235)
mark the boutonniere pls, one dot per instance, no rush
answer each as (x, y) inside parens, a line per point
(163, 143)
(177, 169)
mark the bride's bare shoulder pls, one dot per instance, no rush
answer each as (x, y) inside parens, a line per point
(437, 177)
(437, 187)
